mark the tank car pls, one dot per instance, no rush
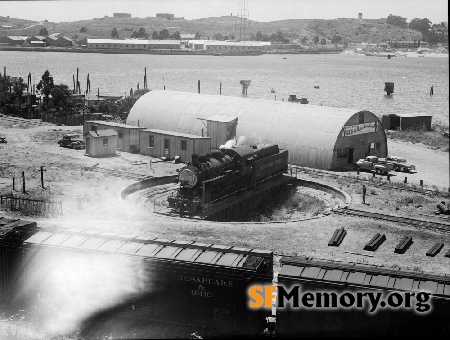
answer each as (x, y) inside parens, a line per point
(216, 182)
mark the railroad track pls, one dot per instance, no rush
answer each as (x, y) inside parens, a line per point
(121, 174)
(155, 191)
(431, 225)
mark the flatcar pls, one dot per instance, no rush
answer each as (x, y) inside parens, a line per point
(230, 181)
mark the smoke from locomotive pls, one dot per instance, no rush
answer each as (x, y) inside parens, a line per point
(225, 184)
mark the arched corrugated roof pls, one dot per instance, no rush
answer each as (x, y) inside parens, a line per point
(309, 132)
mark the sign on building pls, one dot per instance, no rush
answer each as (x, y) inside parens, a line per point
(350, 130)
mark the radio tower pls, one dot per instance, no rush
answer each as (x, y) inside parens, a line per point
(242, 17)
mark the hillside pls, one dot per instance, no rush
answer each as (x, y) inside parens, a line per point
(351, 30)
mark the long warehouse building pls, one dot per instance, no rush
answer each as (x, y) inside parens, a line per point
(316, 136)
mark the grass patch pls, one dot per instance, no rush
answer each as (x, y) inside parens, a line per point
(283, 203)
(434, 138)
(415, 200)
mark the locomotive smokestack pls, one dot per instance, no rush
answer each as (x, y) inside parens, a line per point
(194, 159)
(202, 159)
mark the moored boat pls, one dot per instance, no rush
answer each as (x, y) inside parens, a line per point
(376, 54)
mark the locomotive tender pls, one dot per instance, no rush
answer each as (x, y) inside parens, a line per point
(227, 183)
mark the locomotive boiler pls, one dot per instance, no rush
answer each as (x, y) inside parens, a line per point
(230, 181)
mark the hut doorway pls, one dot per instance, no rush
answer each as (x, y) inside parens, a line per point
(166, 147)
(350, 155)
(88, 145)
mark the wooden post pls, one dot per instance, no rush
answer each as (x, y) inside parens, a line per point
(421, 182)
(78, 83)
(23, 181)
(199, 86)
(14, 183)
(145, 77)
(42, 176)
(220, 91)
(406, 179)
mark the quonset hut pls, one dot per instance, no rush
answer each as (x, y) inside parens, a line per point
(315, 136)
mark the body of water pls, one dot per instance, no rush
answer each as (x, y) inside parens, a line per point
(343, 80)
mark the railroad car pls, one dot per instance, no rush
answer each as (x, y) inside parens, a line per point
(12, 231)
(230, 181)
(119, 285)
(315, 275)
(133, 286)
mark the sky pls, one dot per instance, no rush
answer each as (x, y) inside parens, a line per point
(259, 10)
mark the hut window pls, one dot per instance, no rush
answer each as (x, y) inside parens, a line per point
(120, 133)
(166, 143)
(342, 153)
(105, 141)
(378, 146)
(184, 145)
(361, 118)
(151, 141)
(94, 128)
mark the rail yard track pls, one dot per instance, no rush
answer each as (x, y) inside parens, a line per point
(121, 174)
(430, 225)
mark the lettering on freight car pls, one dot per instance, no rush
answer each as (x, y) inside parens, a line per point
(202, 280)
(200, 291)
(270, 164)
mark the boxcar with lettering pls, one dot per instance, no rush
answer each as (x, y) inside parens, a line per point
(118, 285)
(12, 233)
(321, 276)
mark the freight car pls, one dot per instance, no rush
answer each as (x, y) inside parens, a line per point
(314, 275)
(230, 181)
(132, 286)
(137, 287)
(11, 233)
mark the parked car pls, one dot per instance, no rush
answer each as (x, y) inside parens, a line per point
(371, 163)
(3, 140)
(400, 164)
(72, 141)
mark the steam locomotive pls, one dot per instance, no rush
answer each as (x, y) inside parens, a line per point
(228, 177)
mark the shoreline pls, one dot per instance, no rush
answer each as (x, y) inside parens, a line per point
(164, 52)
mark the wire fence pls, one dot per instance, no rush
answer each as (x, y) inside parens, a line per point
(31, 207)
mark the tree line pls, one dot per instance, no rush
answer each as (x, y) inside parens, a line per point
(13, 87)
(164, 34)
(424, 26)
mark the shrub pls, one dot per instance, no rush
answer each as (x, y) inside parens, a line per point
(434, 138)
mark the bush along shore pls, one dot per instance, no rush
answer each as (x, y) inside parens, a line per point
(436, 139)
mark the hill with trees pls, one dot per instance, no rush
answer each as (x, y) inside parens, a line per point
(342, 30)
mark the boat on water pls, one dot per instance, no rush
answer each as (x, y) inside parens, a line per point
(377, 54)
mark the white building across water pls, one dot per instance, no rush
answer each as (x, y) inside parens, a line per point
(132, 44)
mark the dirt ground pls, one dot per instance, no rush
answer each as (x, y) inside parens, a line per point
(91, 201)
(432, 166)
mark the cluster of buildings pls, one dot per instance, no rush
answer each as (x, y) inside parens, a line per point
(55, 39)
(184, 42)
(170, 124)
